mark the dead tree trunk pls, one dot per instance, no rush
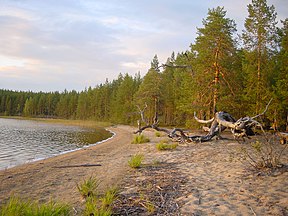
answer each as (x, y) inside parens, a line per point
(241, 128)
(142, 119)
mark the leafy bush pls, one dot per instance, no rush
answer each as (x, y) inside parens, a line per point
(162, 146)
(138, 139)
(136, 160)
(16, 207)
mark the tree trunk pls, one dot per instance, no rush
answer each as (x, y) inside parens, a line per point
(258, 74)
(216, 78)
(241, 128)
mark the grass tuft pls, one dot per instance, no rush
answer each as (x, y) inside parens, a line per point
(97, 204)
(94, 207)
(88, 188)
(138, 139)
(136, 161)
(157, 134)
(163, 145)
(16, 207)
(110, 196)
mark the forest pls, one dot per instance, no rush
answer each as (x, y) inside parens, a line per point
(222, 70)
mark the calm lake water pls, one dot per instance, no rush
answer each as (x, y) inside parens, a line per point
(24, 141)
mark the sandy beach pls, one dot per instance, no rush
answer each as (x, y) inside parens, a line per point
(194, 179)
(209, 179)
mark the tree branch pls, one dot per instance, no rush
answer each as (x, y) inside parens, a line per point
(263, 111)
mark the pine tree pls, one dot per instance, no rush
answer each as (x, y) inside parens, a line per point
(149, 93)
(281, 89)
(169, 89)
(28, 108)
(155, 63)
(214, 49)
(124, 105)
(259, 39)
(82, 106)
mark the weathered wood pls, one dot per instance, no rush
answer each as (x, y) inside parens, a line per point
(203, 121)
(141, 112)
(241, 128)
(283, 137)
(263, 111)
(77, 165)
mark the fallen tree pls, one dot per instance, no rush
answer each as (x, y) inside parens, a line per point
(221, 121)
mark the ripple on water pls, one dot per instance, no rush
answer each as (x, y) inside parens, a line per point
(22, 141)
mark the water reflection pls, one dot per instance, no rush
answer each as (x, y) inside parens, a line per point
(22, 140)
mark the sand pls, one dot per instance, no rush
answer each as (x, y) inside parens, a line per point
(195, 179)
(210, 179)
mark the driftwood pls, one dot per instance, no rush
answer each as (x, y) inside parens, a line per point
(283, 137)
(78, 165)
(240, 128)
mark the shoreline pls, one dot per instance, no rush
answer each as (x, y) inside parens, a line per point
(42, 180)
(73, 123)
(62, 153)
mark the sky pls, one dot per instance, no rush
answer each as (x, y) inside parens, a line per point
(53, 45)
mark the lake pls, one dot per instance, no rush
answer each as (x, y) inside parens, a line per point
(23, 141)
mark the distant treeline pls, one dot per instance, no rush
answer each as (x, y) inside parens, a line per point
(218, 72)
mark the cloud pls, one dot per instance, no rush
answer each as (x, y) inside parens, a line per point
(73, 44)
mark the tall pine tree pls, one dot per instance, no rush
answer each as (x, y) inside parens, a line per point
(281, 89)
(259, 38)
(214, 49)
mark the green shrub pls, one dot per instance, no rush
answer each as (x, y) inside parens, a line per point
(138, 139)
(16, 207)
(162, 146)
(136, 160)
(88, 188)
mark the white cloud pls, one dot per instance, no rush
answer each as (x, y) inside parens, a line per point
(10, 62)
(72, 44)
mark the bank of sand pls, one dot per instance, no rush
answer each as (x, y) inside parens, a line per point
(195, 179)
